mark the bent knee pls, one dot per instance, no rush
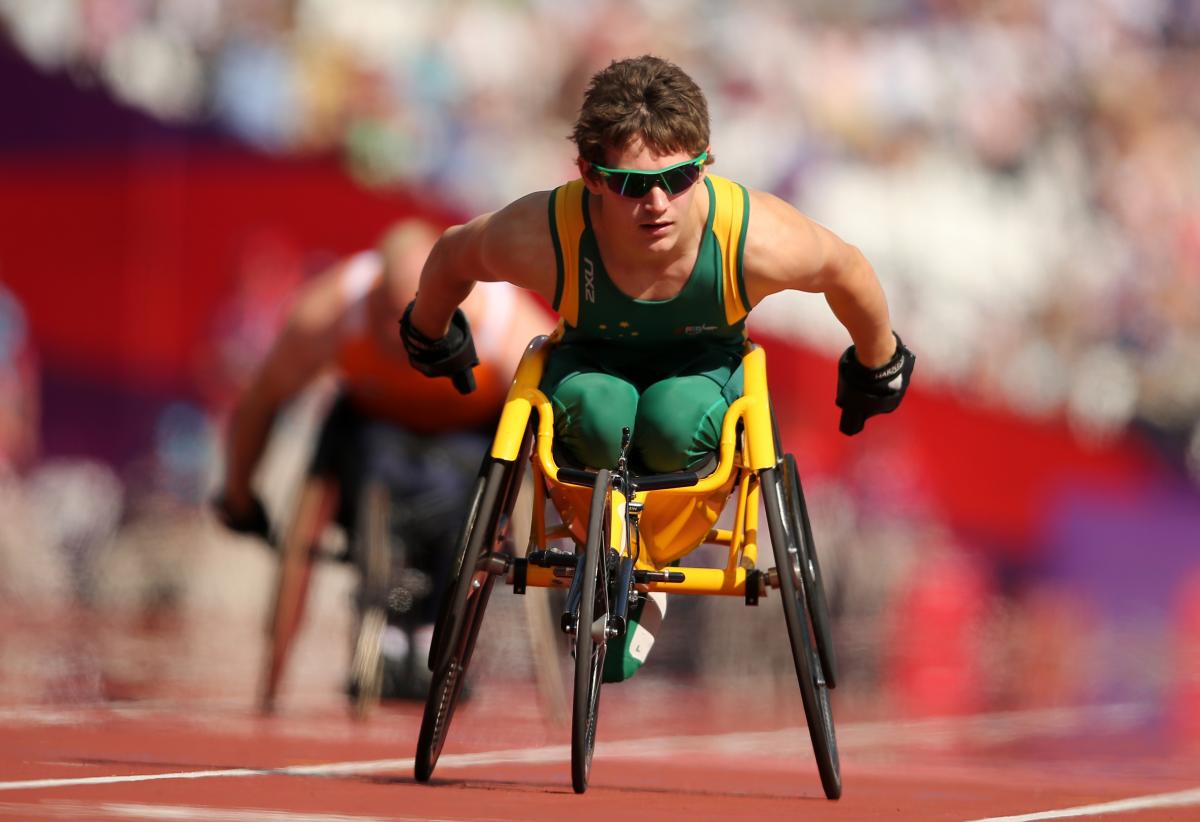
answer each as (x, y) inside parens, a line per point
(590, 412)
(676, 431)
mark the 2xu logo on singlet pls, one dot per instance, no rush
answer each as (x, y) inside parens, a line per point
(589, 280)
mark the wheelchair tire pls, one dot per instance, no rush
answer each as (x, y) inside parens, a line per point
(366, 664)
(507, 493)
(810, 567)
(318, 499)
(814, 692)
(589, 650)
(463, 606)
(373, 558)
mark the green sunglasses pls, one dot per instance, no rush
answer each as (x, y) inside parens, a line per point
(674, 179)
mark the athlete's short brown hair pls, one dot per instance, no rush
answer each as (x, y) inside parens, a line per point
(645, 97)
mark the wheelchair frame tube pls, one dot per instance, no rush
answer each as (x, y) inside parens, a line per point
(707, 581)
(759, 453)
(523, 396)
(753, 406)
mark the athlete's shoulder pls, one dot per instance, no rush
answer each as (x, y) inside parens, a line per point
(328, 298)
(516, 244)
(785, 249)
(769, 202)
(359, 273)
(526, 216)
(774, 221)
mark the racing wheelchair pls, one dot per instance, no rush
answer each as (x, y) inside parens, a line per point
(393, 493)
(628, 530)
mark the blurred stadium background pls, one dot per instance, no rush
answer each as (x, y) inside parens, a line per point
(1025, 176)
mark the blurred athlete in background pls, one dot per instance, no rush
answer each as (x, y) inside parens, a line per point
(389, 428)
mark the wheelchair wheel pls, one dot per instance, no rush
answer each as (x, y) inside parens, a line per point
(590, 636)
(814, 691)
(373, 556)
(506, 491)
(464, 604)
(366, 665)
(314, 510)
(810, 567)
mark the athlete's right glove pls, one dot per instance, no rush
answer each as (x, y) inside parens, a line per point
(452, 356)
(864, 392)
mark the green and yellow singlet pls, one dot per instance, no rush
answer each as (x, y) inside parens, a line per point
(710, 309)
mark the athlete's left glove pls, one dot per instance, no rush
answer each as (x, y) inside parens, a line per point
(452, 356)
(864, 392)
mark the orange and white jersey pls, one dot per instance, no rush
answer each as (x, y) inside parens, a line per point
(380, 381)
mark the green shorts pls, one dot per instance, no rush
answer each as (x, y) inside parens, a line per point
(673, 400)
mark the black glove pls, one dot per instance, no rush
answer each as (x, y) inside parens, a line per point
(864, 392)
(452, 356)
(254, 522)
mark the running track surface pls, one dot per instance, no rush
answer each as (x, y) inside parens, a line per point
(664, 754)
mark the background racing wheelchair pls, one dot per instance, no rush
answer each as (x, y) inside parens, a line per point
(394, 494)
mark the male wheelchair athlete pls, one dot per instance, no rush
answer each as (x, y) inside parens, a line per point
(628, 530)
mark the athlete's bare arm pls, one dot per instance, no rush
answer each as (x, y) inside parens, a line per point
(786, 250)
(511, 245)
(305, 347)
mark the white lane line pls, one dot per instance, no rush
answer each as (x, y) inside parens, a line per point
(552, 753)
(34, 784)
(77, 810)
(1178, 799)
(937, 732)
(186, 813)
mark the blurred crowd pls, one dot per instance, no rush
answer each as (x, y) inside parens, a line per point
(1024, 175)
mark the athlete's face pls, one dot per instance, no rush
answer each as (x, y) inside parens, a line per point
(655, 220)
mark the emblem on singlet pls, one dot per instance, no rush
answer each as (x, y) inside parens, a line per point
(589, 280)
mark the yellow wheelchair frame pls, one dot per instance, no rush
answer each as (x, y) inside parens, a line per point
(629, 530)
